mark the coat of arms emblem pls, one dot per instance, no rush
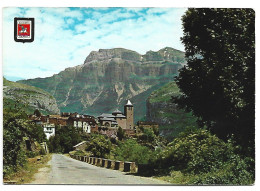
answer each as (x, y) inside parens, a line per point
(23, 29)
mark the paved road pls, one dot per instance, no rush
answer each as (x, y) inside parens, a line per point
(65, 170)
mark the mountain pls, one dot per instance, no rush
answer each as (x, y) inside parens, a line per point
(161, 110)
(13, 78)
(109, 77)
(31, 98)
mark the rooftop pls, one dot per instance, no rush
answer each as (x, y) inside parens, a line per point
(116, 111)
(129, 103)
(107, 115)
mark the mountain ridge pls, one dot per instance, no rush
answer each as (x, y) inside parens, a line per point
(30, 97)
(108, 77)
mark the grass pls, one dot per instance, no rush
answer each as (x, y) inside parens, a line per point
(26, 174)
(24, 87)
(175, 177)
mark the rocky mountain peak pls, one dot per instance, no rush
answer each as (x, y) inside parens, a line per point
(106, 54)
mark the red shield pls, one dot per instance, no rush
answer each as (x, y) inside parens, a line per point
(23, 29)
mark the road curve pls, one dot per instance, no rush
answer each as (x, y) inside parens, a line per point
(65, 170)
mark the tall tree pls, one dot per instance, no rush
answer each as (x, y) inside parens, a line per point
(218, 83)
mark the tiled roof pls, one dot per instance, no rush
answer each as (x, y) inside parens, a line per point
(120, 116)
(107, 115)
(107, 119)
(117, 111)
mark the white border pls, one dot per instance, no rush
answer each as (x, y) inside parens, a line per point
(133, 3)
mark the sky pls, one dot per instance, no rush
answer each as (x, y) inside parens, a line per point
(65, 36)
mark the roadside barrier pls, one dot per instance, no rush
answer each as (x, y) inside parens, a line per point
(104, 163)
(99, 161)
(119, 165)
(110, 164)
(129, 167)
(94, 161)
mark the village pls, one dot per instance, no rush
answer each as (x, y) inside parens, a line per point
(105, 124)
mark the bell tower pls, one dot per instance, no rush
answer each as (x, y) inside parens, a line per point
(129, 113)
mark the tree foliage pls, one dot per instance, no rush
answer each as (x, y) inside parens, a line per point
(99, 146)
(209, 159)
(120, 133)
(64, 140)
(130, 150)
(16, 126)
(218, 83)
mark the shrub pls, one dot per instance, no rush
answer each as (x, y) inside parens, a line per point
(148, 136)
(207, 158)
(64, 140)
(99, 146)
(130, 150)
(232, 172)
(15, 127)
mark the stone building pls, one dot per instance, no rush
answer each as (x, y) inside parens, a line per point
(84, 122)
(118, 119)
(147, 125)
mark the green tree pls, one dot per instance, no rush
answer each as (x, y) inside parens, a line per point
(99, 146)
(64, 140)
(147, 136)
(218, 83)
(209, 159)
(130, 150)
(16, 126)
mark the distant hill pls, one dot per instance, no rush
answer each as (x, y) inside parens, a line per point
(160, 109)
(109, 77)
(13, 78)
(29, 97)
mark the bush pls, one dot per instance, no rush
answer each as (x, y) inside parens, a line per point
(130, 150)
(64, 140)
(99, 146)
(195, 152)
(233, 172)
(15, 127)
(207, 158)
(148, 136)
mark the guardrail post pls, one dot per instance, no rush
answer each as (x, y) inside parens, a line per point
(109, 163)
(104, 163)
(130, 167)
(99, 161)
(93, 160)
(119, 165)
(112, 164)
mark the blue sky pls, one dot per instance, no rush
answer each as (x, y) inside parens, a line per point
(65, 36)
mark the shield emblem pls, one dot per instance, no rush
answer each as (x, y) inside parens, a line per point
(24, 29)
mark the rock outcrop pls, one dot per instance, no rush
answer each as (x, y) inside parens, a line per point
(32, 97)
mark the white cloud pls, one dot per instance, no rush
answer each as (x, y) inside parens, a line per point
(61, 41)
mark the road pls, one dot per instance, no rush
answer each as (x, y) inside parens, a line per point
(65, 170)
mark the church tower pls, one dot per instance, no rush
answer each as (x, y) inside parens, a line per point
(129, 113)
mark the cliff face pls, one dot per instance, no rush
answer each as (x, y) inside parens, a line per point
(110, 76)
(33, 98)
(161, 110)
